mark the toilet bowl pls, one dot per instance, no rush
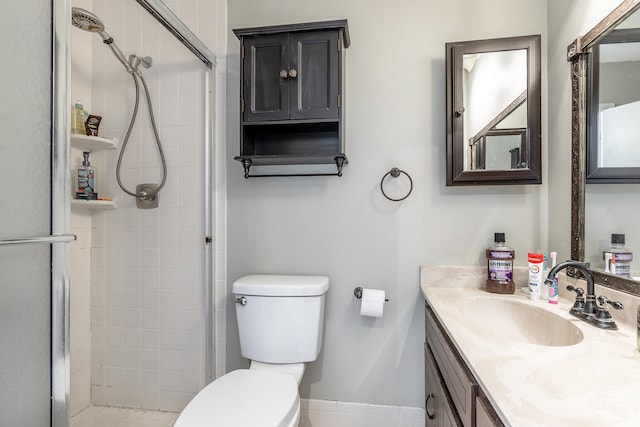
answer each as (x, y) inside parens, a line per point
(266, 394)
(245, 398)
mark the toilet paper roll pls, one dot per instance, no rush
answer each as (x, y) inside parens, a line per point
(372, 303)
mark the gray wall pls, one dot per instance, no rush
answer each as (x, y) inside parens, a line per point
(344, 227)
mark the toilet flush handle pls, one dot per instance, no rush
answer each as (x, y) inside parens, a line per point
(241, 301)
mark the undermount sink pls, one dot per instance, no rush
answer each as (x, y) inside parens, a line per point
(519, 321)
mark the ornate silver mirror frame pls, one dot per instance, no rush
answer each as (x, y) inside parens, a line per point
(576, 54)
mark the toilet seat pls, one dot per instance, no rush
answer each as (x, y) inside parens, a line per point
(245, 398)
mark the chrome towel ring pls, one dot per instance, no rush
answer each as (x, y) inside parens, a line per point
(395, 172)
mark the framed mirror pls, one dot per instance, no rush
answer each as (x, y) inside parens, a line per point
(613, 105)
(598, 211)
(493, 111)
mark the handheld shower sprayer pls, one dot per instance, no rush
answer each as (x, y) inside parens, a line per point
(87, 21)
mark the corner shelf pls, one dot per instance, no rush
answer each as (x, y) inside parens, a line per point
(85, 142)
(94, 204)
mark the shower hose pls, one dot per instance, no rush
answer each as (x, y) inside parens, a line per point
(132, 68)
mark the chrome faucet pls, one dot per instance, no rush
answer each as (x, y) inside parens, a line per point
(585, 307)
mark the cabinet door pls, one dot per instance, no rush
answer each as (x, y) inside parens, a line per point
(315, 88)
(486, 415)
(440, 411)
(265, 91)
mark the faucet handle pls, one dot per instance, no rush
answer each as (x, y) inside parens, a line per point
(578, 305)
(615, 304)
(579, 291)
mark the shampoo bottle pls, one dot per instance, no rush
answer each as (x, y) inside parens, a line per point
(618, 257)
(78, 117)
(500, 267)
(86, 180)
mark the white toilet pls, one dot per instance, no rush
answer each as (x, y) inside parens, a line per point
(280, 321)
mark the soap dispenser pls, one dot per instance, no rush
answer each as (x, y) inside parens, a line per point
(86, 180)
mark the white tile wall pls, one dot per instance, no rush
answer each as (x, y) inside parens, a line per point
(146, 275)
(80, 301)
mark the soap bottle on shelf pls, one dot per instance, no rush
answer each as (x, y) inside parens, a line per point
(86, 180)
(618, 258)
(78, 118)
(500, 267)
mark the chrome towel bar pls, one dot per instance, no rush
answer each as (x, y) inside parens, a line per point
(54, 238)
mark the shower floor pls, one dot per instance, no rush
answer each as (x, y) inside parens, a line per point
(103, 416)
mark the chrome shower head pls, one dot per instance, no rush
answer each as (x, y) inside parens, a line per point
(86, 20)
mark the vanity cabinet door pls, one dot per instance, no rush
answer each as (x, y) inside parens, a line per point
(457, 378)
(452, 393)
(439, 408)
(485, 414)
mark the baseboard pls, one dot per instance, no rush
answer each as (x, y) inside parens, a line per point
(329, 413)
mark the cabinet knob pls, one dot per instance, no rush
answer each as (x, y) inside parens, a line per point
(459, 111)
(293, 73)
(284, 74)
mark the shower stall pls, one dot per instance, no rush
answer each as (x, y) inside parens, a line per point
(105, 303)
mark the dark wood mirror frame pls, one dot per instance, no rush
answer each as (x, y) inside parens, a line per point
(456, 173)
(577, 55)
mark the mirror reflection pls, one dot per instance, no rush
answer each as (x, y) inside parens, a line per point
(613, 102)
(605, 68)
(614, 150)
(493, 111)
(610, 211)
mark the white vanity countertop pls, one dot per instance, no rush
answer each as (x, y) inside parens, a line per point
(593, 383)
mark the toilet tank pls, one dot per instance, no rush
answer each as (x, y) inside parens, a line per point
(280, 317)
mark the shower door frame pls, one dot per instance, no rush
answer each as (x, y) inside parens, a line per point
(172, 23)
(60, 212)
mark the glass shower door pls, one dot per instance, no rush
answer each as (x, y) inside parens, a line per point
(30, 255)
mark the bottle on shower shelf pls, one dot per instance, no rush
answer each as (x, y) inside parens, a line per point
(78, 119)
(86, 188)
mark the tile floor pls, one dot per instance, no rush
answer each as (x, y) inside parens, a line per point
(103, 416)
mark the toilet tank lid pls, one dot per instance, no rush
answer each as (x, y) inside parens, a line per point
(281, 285)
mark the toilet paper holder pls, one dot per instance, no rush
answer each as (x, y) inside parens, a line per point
(358, 293)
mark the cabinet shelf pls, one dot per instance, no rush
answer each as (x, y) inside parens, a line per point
(85, 142)
(94, 204)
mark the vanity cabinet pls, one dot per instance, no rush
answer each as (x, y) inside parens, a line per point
(448, 377)
(438, 404)
(291, 97)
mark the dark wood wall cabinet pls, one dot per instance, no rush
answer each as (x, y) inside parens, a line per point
(291, 96)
